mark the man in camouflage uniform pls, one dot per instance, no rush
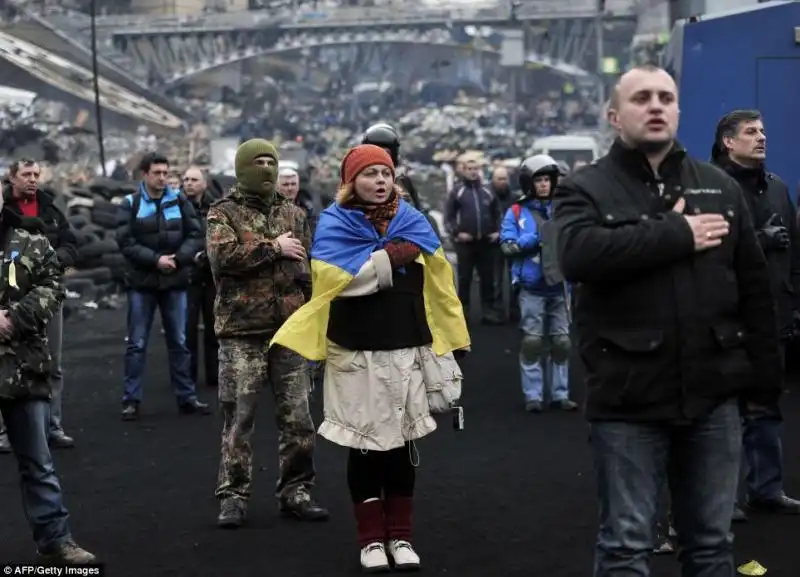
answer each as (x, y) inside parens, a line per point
(30, 295)
(257, 242)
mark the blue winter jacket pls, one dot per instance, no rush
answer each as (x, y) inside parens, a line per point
(526, 269)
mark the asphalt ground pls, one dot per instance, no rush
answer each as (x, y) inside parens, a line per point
(511, 495)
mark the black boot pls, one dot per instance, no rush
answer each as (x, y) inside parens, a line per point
(193, 407)
(232, 513)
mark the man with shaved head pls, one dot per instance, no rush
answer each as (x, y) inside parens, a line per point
(289, 183)
(676, 327)
(501, 189)
(289, 187)
(201, 296)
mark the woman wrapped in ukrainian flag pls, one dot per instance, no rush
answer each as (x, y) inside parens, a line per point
(385, 317)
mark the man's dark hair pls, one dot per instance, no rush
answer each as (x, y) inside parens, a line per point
(18, 164)
(728, 126)
(148, 160)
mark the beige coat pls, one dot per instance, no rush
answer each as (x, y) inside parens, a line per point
(379, 400)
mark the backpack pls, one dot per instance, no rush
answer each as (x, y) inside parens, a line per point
(548, 240)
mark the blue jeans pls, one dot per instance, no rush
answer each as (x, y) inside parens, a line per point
(763, 454)
(545, 332)
(141, 311)
(28, 427)
(700, 462)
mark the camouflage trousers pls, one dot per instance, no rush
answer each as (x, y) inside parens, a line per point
(245, 367)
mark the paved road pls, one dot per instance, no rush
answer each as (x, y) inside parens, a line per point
(510, 496)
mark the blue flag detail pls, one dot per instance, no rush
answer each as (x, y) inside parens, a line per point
(346, 239)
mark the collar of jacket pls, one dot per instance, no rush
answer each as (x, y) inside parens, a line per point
(9, 218)
(503, 193)
(169, 194)
(752, 179)
(635, 161)
(538, 203)
(261, 203)
(44, 197)
(201, 201)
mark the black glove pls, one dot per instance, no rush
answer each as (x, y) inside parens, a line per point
(795, 324)
(776, 237)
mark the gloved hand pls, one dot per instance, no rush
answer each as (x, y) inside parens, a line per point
(776, 237)
(773, 235)
(795, 324)
(402, 253)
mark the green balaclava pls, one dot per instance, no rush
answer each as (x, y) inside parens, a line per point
(255, 179)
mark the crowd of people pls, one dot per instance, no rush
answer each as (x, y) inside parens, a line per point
(678, 392)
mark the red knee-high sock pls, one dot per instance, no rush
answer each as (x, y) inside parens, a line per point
(370, 522)
(399, 513)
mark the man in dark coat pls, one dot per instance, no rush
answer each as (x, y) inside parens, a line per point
(675, 319)
(740, 149)
(24, 196)
(201, 295)
(159, 235)
(30, 285)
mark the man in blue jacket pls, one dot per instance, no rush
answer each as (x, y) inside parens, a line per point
(159, 234)
(527, 240)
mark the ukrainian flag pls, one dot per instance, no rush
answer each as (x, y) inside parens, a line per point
(343, 242)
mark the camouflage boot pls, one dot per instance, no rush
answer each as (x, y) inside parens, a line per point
(232, 513)
(66, 553)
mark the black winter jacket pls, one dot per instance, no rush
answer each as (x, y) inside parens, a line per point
(665, 332)
(201, 274)
(768, 198)
(471, 208)
(165, 226)
(56, 226)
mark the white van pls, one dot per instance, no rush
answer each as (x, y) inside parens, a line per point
(568, 149)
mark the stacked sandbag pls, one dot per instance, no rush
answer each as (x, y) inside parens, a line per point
(92, 212)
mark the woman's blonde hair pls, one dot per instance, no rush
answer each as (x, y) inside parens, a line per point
(347, 191)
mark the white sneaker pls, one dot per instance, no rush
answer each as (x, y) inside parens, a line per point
(373, 558)
(403, 555)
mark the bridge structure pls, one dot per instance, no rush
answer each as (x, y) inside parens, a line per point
(561, 36)
(33, 37)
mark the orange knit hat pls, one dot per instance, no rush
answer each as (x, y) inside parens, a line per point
(360, 157)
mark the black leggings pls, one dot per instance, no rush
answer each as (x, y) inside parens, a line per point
(375, 473)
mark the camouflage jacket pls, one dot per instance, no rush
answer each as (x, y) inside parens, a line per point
(257, 288)
(31, 291)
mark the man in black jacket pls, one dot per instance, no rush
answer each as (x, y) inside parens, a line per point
(675, 319)
(201, 294)
(159, 235)
(23, 196)
(740, 149)
(472, 219)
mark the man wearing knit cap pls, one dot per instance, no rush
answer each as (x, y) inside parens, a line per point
(257, 244)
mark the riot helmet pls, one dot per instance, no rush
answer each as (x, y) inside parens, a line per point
(385, 136)
(538, 165)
